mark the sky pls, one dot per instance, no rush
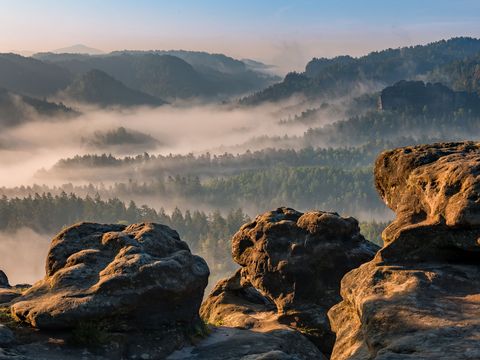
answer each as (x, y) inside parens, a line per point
(280, 32)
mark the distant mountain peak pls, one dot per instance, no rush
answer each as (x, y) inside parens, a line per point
(78, 49)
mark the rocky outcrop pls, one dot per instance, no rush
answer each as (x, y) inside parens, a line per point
(420, 297)
(435, 193)
(133, 278)
(291, 267)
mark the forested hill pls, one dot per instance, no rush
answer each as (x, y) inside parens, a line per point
(460, 75)
(344, 74)
(31, 77)
(168, 74)
(17, 109)
(99, 88)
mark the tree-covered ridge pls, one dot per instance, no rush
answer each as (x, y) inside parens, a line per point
(206, 163)
(461, 75)
(415, 97)
(420, 128)
(343, 74)
(120, 138)
(99, 88)
(17, 109)
(28, 76)
(168, 74)
(303, 187)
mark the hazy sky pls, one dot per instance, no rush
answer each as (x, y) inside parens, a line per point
(287, 33)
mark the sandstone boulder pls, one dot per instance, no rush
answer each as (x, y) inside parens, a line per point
(435, 193)
(420, 297)
(137, 277)
(291, 267)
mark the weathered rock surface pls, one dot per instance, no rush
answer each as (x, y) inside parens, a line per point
(137, 277)
(435, 192)
(291, 267)
(420, 297)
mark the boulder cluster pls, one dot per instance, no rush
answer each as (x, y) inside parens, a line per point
(309, 285)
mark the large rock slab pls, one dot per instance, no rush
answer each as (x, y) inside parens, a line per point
(429, 311)
(291, 267)
(227, 343)
(420, 297)
(137, 277)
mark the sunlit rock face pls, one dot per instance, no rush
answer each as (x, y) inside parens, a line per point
(420, 297)
(435, 193)
(137, 277)
(291, 267)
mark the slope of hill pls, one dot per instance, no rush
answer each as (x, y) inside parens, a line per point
(170, 74)
(461, 75)
(416, 97)
(97, 87)
(163, 76)
(343, 74)
(16, 109)
(30, 76)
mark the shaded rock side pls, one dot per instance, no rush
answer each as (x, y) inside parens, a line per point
(227, 343)
(420, 297)
(291, 267)
(4, 280)
(137, 277)
(7, 292)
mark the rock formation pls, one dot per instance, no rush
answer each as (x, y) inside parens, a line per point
(420, 297)
(141, 276)
(291, 267)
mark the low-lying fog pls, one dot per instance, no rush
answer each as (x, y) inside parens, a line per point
(23, 254)
(40, 144)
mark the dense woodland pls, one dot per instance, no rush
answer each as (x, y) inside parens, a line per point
(208, 234)
(344, 74)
